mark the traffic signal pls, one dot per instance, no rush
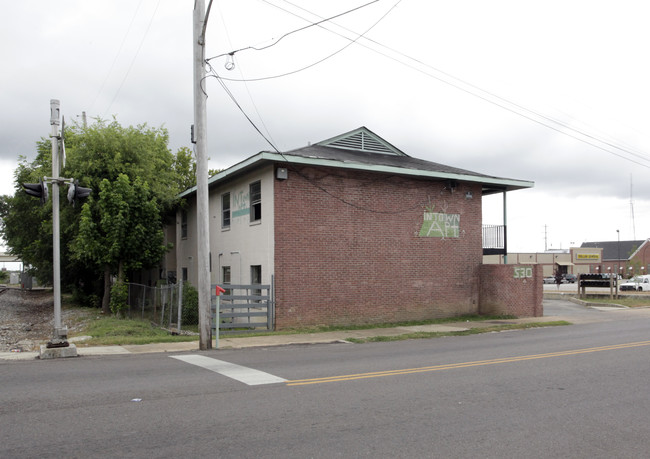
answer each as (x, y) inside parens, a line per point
(76, 192)
(38, 190)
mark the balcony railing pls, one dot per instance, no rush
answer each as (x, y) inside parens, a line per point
(494, 240)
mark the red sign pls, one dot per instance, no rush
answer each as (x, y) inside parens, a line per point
(220, 291)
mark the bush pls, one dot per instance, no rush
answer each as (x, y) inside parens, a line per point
(119, 297)
(190, 313)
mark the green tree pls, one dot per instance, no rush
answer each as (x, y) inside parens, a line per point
(26, 225)
(135, 162)
(185, 168)
(120, 231)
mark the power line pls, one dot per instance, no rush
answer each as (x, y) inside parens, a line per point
(119, 50)
(231, 53)
(352, 41)
(135, 56)
(469, 88)
(250, 96)
(290, 165)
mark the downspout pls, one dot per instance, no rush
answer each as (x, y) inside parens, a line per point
(505, 230)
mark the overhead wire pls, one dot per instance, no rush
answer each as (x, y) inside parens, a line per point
(288, 161)
(135, 56)
(313, 64)
(229, 93)
(231, 53)
(250, 96)
(483, 94)
(119, 51)
(474, 90)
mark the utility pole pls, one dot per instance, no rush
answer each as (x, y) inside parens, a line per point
(203, 222)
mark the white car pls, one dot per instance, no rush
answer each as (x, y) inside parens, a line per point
(639, 284)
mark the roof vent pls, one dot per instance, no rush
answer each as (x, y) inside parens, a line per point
(362, 140)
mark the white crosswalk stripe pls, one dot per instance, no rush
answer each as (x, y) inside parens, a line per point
(240, 373)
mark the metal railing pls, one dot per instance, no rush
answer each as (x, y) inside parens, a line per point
(494, 240)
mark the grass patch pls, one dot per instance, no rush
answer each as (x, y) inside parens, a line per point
(629, 301)
(471, 331)
(107, 331)
(331, 328)
(446, 320)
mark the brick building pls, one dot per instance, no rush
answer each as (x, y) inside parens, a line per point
(352, 230)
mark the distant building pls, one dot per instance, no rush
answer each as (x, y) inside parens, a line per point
(628, 257)
(625, 257)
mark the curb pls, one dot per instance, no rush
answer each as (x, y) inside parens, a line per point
(276, 340)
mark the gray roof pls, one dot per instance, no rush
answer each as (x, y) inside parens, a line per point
(361, 149)
(612, 249)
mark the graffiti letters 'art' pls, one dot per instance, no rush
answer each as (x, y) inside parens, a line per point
(440, 225)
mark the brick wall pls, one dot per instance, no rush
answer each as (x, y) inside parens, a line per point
(362, 260)
(511, 289)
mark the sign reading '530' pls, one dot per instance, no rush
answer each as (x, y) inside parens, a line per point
(523, 272)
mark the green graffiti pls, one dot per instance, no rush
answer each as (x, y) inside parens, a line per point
(440, 225)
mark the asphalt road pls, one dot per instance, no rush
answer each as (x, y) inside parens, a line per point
(578, 391)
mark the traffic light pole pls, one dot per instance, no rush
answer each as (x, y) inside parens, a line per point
(60, 336)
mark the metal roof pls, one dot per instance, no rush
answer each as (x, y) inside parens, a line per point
(361, 149)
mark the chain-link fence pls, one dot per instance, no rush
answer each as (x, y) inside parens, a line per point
(161, 305)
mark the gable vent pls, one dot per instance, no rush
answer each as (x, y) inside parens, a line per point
(361, 141)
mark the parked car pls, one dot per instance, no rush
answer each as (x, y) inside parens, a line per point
(570, 278)
(639, 284)
(549, 280)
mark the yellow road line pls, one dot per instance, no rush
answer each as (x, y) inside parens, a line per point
(450, 366)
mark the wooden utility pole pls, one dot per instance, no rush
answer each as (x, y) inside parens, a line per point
(200, 132)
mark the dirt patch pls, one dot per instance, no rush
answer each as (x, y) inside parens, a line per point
(27, 319)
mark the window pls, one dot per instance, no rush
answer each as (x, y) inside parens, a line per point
(184, 274)
(256, 201)
(225, 278)
(225, 274)
(225, 210)
(256, 279)
(184, 224)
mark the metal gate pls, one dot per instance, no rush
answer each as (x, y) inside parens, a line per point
(244, 308)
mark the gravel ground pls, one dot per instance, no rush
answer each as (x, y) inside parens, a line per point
(27, 319)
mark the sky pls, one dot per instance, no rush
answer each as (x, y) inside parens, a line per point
(553, 92)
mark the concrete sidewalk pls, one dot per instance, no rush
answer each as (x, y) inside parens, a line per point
(242, 342)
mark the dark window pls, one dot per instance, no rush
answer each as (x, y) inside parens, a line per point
(184, 274)
(184, 224)
(256, 201)
(225, 210)
(225, 278)
(256, 278)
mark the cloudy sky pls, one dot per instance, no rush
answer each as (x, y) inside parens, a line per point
(555, 92)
